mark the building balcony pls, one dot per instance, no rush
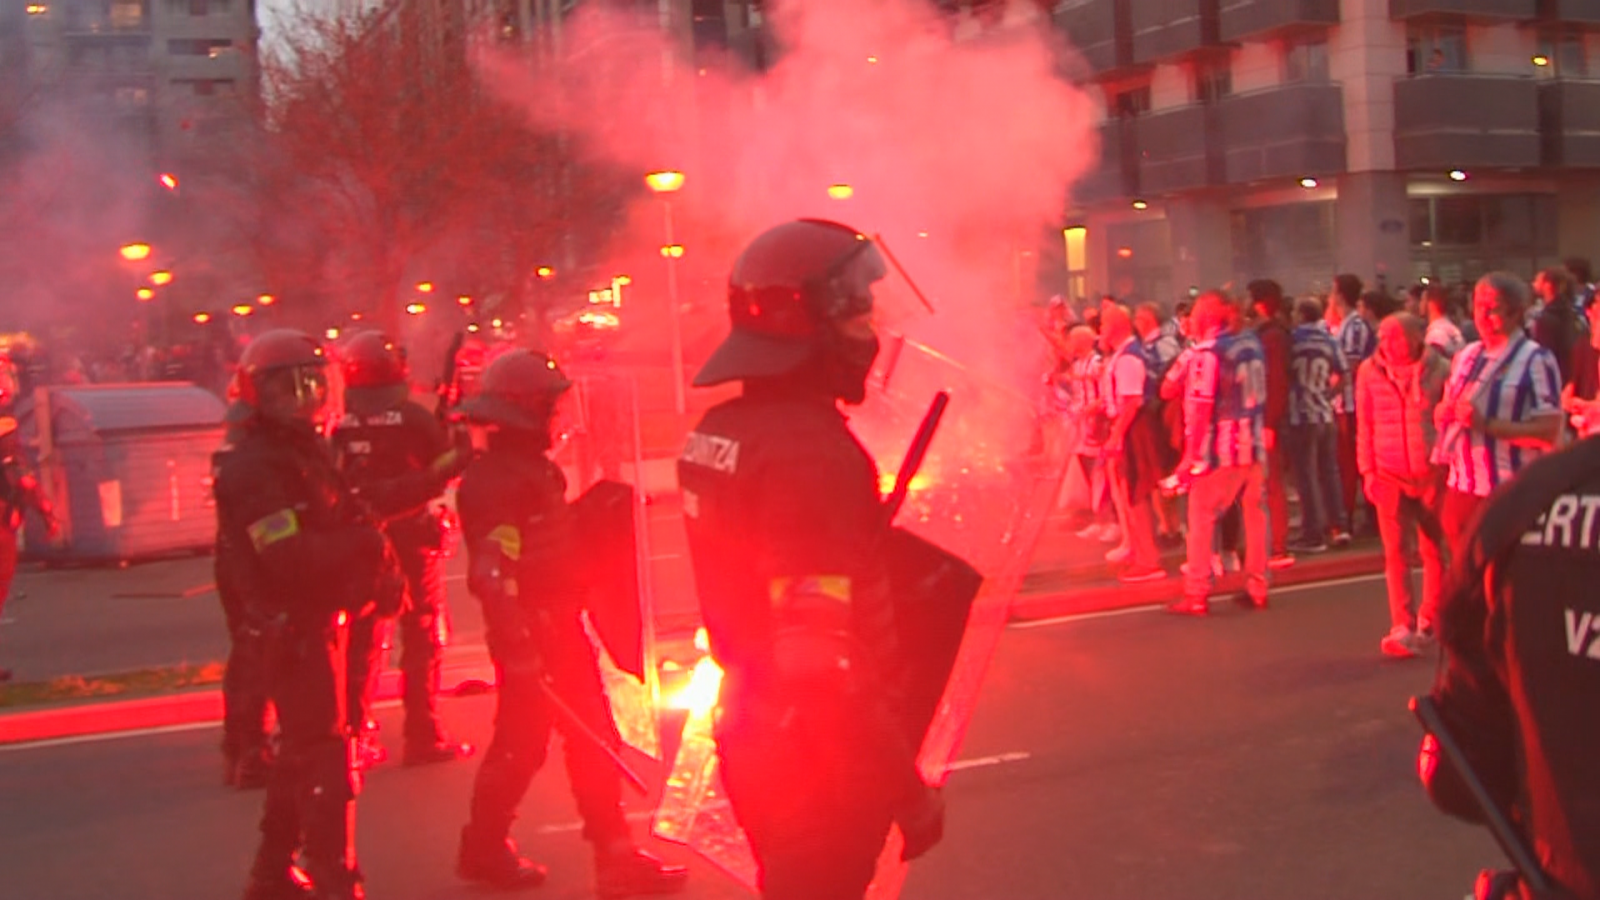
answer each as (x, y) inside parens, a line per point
(1181, 150)
(1569, 123)
(1117, 175)
(1445, 122)
(1579, 12)
(1283, 132)
(1239, 20)
(1473, 10)
(1168, 28)
(1099, 30)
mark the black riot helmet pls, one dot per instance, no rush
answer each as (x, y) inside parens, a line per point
(517, 391)
(790, 293)
(371, 359)
(281, 376)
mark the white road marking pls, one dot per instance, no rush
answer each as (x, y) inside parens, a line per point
(983, 762)
(1154, 607)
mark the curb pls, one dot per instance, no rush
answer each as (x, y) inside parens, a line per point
(1104, 596)
(88, 717)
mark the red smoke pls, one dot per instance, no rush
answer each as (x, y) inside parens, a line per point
(972, 143)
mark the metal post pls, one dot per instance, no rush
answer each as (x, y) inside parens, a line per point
(678, 399)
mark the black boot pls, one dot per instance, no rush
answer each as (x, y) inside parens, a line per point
(268, 882)
(624, 871)
(490, 860)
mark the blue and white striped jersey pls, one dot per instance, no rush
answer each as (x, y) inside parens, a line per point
(1519, 383)
(1314, 358)
(1357, 341)
(1230, 374)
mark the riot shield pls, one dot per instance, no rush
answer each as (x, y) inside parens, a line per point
(597, 446)
(972, 516)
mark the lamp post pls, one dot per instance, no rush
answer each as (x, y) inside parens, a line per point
(665, 184)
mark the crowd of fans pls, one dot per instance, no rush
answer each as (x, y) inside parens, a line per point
(1393, 414)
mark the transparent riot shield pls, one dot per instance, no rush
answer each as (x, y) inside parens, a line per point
(983, 493)
(598, 448)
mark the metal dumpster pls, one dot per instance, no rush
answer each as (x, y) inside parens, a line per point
(128, 467)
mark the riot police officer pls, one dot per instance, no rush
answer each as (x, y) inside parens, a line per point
(1520, 627)
(19, 492)
(787, 533)
(307, 564)
(398, 459)
(247, 751)
(524, 566)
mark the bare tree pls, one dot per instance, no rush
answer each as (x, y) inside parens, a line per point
(387, 151)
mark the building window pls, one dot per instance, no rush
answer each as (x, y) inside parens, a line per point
(1436, 50)
(1130, 103)
(1306, 61)
(1562, 55)
(206, 87)
(1212, 81)
(1274, 241)
(197, 46)
(1077, 239)
(1455, 239)
(131, 97)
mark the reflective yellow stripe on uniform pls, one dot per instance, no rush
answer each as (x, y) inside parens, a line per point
(782, 591)
(268, 530)
(509, 538)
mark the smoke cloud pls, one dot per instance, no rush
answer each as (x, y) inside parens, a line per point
(959, 153)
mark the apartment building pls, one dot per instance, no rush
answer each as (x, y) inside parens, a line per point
(1398, 139)
(160, 76)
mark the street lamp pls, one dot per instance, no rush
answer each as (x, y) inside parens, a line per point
(161, 277)
(667, 183)
(134, 252)
(841, 191)
(144, 293)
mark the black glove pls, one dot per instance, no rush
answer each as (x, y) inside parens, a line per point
(921, 823)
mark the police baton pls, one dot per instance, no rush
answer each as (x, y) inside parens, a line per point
(581, 728)
(915, 454)
(1511, 842)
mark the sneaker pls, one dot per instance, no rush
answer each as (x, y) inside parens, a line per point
(1119, 554)
(1228, 562)
(1140, 575)
(1089, 532)
(1308, 547)
(1423, 640)
(1339, 538)
(1281, 561)
(1196, 606)
(1399, 643)
(1110, 532)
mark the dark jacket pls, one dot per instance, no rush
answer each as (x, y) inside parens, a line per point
(781, 500)
(282, 509)
(388, 455)
(1520, 625)
(1557, 329)
(1275, 343)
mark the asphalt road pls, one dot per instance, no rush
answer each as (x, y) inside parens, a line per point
(1134, 756)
